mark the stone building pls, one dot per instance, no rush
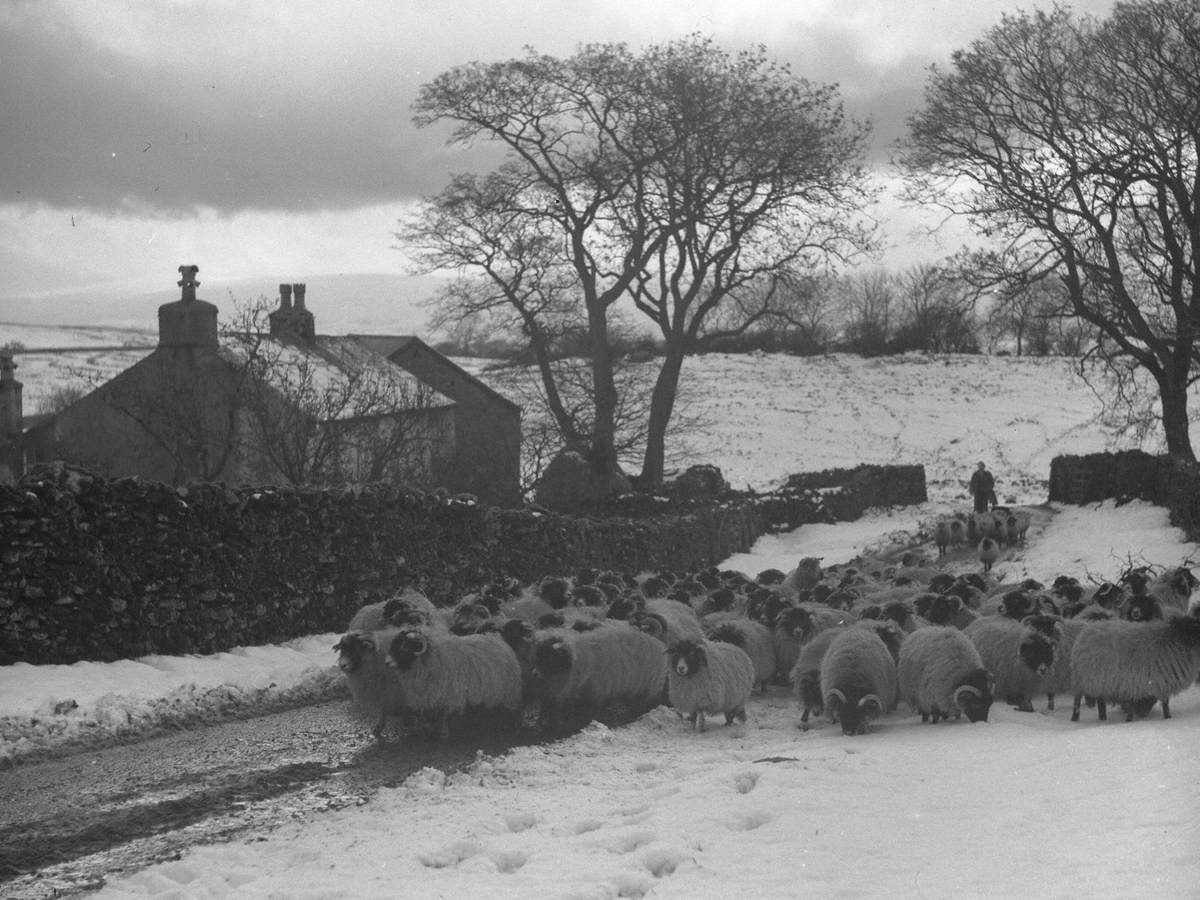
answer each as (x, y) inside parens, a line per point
(285, 406)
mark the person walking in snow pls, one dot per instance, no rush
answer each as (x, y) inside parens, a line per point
(983, 489)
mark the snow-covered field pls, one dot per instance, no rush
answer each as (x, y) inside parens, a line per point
(1028, 804)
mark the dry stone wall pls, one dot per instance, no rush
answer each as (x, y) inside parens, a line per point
(1128, 475)
(96, 569)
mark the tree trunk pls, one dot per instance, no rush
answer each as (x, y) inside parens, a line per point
(1175, 420)
(604, 430)
(662, 405)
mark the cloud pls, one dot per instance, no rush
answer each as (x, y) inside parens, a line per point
(179, 105)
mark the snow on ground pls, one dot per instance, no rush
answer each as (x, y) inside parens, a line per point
(1024, 805)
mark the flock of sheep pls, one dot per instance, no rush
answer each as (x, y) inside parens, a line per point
(852, 641)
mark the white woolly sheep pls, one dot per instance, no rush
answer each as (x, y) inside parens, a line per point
(805, 675)
(941, 674)
(1135, 663)
(373, 686)
(989, 552)
(858, 679)
(1018, 677)
(753, 637)
(579, 673)
(443, 675)
(803, 578)
(708, 678)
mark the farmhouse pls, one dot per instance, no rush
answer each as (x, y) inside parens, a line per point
(277, 405)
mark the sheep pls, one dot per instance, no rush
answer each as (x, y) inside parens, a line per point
(1172, 588)
(944, 609)
(805, 675)
(795, 626)
(802, 578)
(989, 552)
(1018, 677)
(668, 620)
(404, 608)
(583, 672)
(858, 679)
(1133, 663)
(447, 675)
(707, 678)
(373, 687)
(941, 674)
(753, 637)
(942, 536)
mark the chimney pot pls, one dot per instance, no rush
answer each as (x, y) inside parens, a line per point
(285, 296)
(188, 282)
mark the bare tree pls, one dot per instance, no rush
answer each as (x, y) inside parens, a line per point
(1076, 143)
(674, 178)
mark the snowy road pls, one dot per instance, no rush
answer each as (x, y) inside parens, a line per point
(67, 824)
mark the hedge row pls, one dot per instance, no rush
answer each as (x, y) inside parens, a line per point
(102, 570)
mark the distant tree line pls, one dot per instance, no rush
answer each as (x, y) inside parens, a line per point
(930, 308)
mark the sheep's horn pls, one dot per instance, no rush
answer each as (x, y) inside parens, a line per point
(873, 698)
(968, 689)
(836, 694)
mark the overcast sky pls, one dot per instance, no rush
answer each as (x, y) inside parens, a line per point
(261, 137)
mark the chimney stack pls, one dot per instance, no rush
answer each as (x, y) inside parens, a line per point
(285, 297)
(292, 320)
(11, 413)
(298, 290)
(187, 322)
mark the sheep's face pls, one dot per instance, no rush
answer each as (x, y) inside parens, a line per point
(1108, 595)
(554, 591)
(795, 623)
(1142, 608)
(518, 634)
(854, 713)
(974, 696)
(770, 576)
(942, 609)
(890, 633)
(406, 648)
(1069, 590)
(898, 611)
(551, 658)
(588, 595)
(685, 658)
(941, 582)
(352, 649)
(1016, 605)
(626, 607)
(401, 612)
(1037, 652)
(1136, 580)
(655, 587)
(722, 599)
(1050, 626)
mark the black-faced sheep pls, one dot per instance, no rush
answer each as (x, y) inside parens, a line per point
(1172, 588)
(1135, 663)
(709, 678)
(805, 675)
(989, 552)
(858, 679)
(753, 637)
(1018, 665)
(941, 675)
(443, 675)
(373, 686)
(578, 674)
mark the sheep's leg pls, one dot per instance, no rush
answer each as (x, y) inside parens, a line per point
(1075, 707)
(936, 715)
(804, 715)
(700, 723)
(1050, 701)
(1166, 705)
(1101, 709)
